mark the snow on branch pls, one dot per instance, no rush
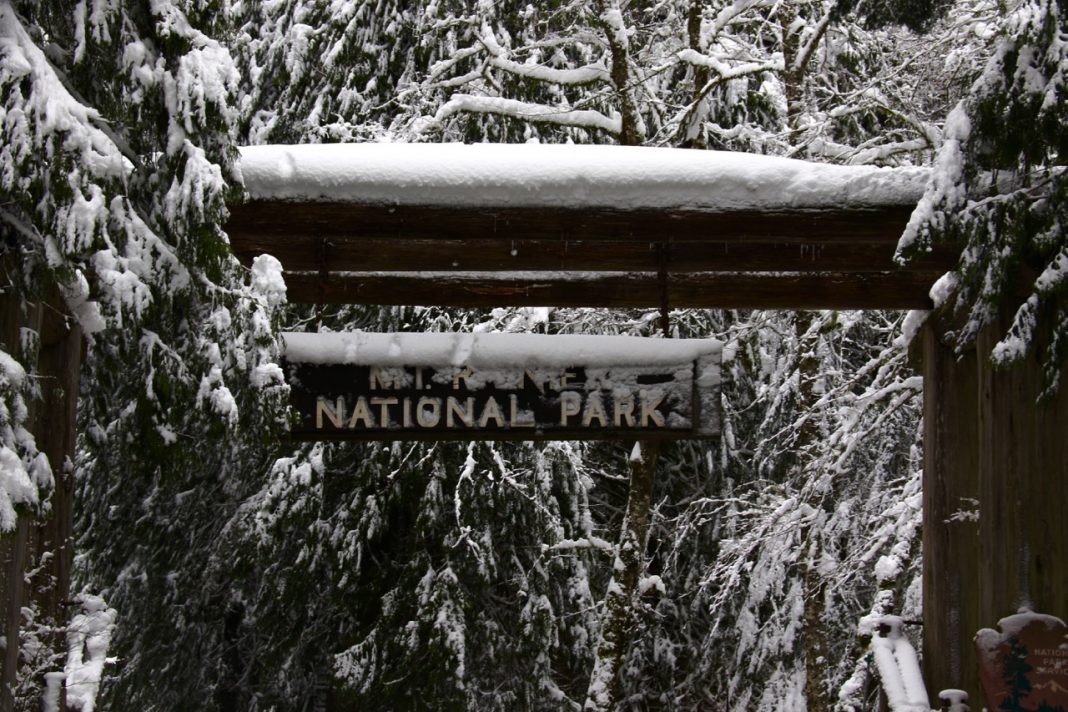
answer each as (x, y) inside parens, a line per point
(580, 75)
(726, 71)
(868, 155)
(812, 41)
(578, 118)
(24, 472)
(444, 65)
(499, 58)
(730, 13)
(590, 542)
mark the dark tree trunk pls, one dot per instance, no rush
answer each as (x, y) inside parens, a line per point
(622, 592)
(632, 132)
(701, 75)
(52, 547)
(814, 641)
(792, 74)
(44, 546)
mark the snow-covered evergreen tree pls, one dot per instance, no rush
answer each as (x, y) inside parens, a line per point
(117, 161)
(1000, 193)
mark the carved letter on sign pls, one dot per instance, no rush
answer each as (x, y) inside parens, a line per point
(501, 386)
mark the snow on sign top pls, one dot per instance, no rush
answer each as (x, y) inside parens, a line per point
(493, 349)
(566, 175)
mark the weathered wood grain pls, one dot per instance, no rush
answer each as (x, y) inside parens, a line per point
(356, 221)
(1023, 485)
(951, 583)
(821, 258)
(878, 290)
(306, 252)
(985, 437)
(345, 237)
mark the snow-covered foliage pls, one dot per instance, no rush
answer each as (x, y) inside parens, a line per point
(88, 637)
(116, 150)
(783, 78)
(793, 78)
(103, 203)
(455, 576)
(24, 472)
(1001, 193)
(805, 516)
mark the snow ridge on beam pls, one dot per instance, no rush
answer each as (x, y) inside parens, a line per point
(561, 176)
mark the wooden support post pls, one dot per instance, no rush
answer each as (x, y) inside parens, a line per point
(1023, 488)
(987, 439)
(623, 588)
(950, 537)
(14, 547)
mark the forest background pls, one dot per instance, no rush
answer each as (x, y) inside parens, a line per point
(231, 570)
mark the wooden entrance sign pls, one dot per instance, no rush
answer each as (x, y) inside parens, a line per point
(363, 386)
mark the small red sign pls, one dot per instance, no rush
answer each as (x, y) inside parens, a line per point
(1024, 667)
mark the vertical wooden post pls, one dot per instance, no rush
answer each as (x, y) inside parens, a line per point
(986, 438)
(950, 538)
(14, 547)
(1023, 484)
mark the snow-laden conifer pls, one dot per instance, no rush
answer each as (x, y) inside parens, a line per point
(1000, 193)
(117, 132)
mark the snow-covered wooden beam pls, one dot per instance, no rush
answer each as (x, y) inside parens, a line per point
(728, 230)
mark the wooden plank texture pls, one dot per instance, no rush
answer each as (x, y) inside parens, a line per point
(304, 252)
(351, 220)
(950, 541)
(343, 237)
(877, 290)
(813, 259)
(985, 437)
(1023, 485)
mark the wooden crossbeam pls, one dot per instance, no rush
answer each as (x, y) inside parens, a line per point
(803, 259)
(863, 290)
(345, 253)
(271, 219)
